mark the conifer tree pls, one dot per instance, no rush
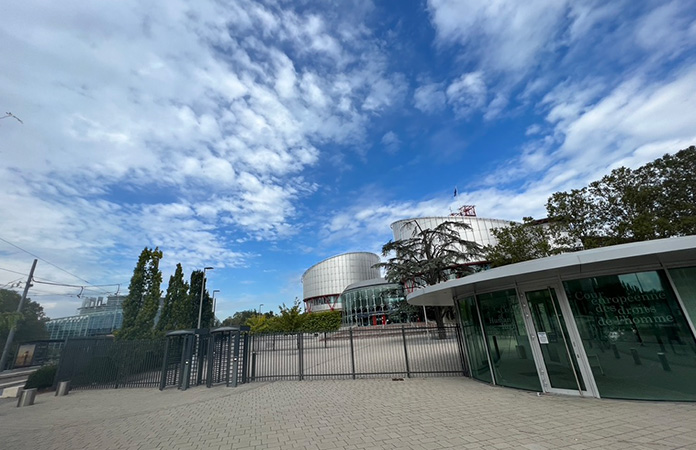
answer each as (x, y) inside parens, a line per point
(141, 305)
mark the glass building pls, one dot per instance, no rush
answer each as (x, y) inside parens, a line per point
(323, 283)
(614, 322)
(373, 302)
(97, 316)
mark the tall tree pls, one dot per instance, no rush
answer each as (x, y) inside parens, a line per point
(429, 256)
(207, 316)
(657, 200)
(175, 301)
(31, 321)
(524, 241)
(141, 305)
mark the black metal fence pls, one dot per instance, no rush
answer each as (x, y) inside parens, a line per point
(98, 363)
(357, 353)
(230, 355)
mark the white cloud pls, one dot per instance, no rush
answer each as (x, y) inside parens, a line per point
(429, 98)
(391, 142)
(467, 93)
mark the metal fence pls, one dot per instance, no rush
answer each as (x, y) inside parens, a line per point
(98, 363)
(400, 351)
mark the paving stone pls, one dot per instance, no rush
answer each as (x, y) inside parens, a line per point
(433, 413)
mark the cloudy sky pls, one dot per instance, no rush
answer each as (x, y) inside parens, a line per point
(260, 137)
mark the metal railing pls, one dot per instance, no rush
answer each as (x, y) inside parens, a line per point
(98, 363)
(357, 353)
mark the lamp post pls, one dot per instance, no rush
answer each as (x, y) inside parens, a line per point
(216, 290)
(200, 304)
(260, 308)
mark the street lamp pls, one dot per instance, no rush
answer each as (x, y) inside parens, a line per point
(216, 290)
(200, 304)
(260, 308)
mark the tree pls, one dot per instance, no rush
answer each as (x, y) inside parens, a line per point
(524, 241)
(175, 302)
(428, 257)
(657, 200)
(290, 319)
(207, 316)
(30, 322)
(239, 318)
(141, 305)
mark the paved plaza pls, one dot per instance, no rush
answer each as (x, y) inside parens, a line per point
(432, 413)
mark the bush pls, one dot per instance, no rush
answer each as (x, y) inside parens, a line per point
(322, 322)
(42, 378)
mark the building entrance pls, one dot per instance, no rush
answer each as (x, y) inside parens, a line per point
(555, 343)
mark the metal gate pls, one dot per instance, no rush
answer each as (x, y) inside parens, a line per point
(210, 357)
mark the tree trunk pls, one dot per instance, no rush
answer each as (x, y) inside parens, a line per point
(440, 321)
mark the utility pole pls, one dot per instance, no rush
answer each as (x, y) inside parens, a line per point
(10, 336)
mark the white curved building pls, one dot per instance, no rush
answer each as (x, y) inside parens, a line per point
(480, 231)
(323, 283)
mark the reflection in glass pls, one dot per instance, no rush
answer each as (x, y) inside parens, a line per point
(474, 341)
(636, 337)
(510, 352)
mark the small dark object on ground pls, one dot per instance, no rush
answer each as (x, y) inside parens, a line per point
(397, 379)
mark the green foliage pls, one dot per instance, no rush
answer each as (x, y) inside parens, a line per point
(657, 200)
(524, 241)
(42, 378)
(141, 305)
(290, 319)
(321, 322)
(429, 256)
(175, 309)
(30, 323)
(239, 318)
(260, 324)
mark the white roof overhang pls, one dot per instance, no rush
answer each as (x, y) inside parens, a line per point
(616, 259)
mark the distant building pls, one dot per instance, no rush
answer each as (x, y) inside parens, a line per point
(97, 316)
(323, 283)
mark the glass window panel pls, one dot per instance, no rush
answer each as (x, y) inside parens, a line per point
(636, 337)
(510, 351)
(474, 340)
(685, 282)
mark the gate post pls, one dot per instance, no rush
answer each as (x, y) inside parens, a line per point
(235, 367)
(245, 358)
(408, 367)
(229, 358)
(210, 359)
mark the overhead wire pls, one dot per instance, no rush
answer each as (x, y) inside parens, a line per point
(57, 267)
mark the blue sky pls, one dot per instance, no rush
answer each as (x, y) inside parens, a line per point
(261, 137)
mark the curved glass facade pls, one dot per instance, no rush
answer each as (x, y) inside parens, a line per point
(374, 304)
(323, 283)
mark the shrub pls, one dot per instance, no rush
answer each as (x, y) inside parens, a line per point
(321, 322)
(42, 378)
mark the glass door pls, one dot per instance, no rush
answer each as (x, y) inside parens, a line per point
(556, 349)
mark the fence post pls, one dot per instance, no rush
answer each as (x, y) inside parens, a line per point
(299, 348)
(163, 379)
(245, 358)
(210, 361)
(253, 366)
(408, 367)
(235, 366)
(352, 352)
